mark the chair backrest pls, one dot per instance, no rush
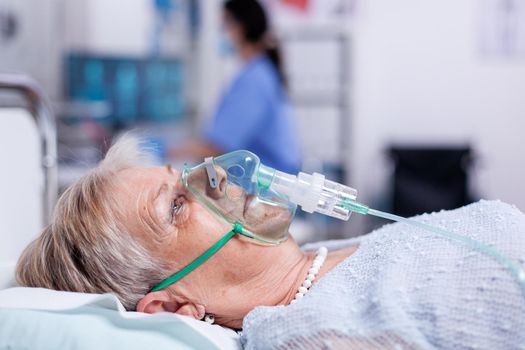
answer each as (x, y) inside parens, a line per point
(21, 187)
(428, 179)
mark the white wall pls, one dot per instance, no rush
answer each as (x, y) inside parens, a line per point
(35, 48)
(211, 73)
(116, 26)
(419, 78)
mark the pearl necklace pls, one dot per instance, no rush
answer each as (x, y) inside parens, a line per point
(312, 272)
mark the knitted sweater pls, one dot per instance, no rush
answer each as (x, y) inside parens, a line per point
(405, 288)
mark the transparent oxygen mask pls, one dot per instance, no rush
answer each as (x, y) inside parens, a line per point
(262, 201)
(229, 186)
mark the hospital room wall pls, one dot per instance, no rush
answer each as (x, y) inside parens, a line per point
(33, 48)
(419, 78)
(91, 26)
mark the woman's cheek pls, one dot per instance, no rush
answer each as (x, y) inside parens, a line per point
(201, 220)
(184, 216)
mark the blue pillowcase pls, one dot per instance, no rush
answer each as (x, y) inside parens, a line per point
(93, 328)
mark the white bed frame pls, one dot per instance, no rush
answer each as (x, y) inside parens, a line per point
(28, 172)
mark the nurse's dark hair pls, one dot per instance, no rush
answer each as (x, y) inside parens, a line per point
(252, 17)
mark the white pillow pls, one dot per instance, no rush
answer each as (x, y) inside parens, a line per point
(37, 307)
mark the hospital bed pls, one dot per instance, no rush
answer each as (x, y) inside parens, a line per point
(28, 180)
(38, 318)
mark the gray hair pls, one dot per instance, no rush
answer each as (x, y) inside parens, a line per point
(87, 248)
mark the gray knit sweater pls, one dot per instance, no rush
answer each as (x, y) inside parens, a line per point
(405, 288)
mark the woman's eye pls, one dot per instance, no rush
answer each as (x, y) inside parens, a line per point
(176, 206)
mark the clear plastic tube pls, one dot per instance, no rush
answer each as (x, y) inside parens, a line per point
(515, 270)
(315, 194)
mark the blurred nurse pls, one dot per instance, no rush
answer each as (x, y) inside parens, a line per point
(254, 112)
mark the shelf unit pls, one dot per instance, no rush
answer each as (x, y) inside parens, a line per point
(317, 66)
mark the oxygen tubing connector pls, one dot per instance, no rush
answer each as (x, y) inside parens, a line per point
(315, 194)
(312, 192)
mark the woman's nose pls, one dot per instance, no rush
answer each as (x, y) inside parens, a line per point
(220, 190)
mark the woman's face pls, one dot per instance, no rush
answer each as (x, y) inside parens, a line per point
(166, 217)
(266, 216)
(233, 30)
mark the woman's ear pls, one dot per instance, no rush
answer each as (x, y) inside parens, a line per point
(162, 301)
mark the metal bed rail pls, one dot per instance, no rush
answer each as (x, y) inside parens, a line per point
(39, 107)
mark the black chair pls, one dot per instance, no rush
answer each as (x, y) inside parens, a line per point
(430, 179)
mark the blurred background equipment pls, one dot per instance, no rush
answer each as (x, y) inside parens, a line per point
(362, 76)
(8, 25)
(319, 78)
(135, 90)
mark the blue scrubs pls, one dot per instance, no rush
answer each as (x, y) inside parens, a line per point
(254, 114)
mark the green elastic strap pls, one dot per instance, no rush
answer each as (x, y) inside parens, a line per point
(237, 229)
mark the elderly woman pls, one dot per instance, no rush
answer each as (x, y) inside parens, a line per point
(124, 228)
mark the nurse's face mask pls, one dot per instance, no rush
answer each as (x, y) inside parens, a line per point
(235, 188)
